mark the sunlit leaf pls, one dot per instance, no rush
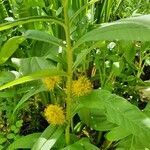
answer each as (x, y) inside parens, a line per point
(48, 138)
(120, 112)
(134, 28)
(10, 47)
(34, 76)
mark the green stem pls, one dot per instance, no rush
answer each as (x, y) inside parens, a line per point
(139, 66)
(69, 72)
(108, 145)
(99, 137)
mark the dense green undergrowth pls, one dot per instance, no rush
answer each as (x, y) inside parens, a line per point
(75, 74)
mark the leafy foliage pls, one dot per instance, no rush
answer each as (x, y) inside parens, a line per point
(105, 43)
(128, 118)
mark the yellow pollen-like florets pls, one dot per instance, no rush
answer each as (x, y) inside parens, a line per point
(54, 114)
(50, 82)
(81, 86)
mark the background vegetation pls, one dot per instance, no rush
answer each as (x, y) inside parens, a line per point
(89, 58)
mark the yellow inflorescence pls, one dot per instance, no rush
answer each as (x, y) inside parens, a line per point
(54, 114)
(81, 86)
(50, 82)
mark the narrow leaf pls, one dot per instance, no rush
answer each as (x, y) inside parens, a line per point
(34, 76)
(27, 96)
(48, 138)
(26, 20)
(36, 35)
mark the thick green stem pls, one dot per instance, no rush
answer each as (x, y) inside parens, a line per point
(69, 72)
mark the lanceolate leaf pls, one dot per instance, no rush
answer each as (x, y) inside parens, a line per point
(26, 20)
(10, 47)
(42, 36)
(119, 111)
(81, 9)
(134, 28)
(81, 56)
(28, 95)
(48, 138)
(34, 76)
(48, 132)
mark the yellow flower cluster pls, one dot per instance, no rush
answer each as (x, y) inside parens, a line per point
(81, 86)
(50, 82)
(54, 114)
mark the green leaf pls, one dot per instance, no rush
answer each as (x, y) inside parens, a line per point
(1, 147)
(11, 136)
(134, 28)
(26, 20)
(34, 3)
(10, 47)
(7, 94)
(27, 96)
(48, 138)
(129, 51)
(147, 109)
(119, 111)
(36, 35)
(34, 76)
(3, 140)
(131, 143)
(13, 127)
(25, 141)
(6, 76)
(81, 57)
(117, 133)
(83, 144)
(96, 119)
(30, 65)
(19, 123)
(61, 142)
(79, 11)
(116, 68)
